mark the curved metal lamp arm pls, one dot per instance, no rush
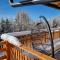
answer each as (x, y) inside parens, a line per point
(29, 2)
(52, 44)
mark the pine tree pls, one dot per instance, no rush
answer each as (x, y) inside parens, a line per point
(8, 26)
(2, 25)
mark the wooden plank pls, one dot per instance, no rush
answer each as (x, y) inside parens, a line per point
(20, 55)
(8, 50)
(26, 58)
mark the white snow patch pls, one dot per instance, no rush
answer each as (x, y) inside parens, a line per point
(11, 39)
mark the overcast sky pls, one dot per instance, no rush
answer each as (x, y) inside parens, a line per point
(33, 11)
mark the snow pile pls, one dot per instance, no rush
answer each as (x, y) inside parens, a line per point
(11, 39)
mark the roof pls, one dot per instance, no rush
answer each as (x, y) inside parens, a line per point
(22, 33)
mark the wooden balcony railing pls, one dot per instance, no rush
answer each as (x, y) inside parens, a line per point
(12, 52)
(24, 53)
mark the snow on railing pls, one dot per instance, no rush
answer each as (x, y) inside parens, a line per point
(15, 53)
(11, 39)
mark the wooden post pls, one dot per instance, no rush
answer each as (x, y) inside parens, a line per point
(53, 34)
(59, 32)
(8, 50)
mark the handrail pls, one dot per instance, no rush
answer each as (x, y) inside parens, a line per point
(39, 55)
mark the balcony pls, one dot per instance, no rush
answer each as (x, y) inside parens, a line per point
(26, 51)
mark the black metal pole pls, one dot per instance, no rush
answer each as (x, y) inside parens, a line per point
(52, 43)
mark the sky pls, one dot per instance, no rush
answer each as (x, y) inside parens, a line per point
(34, 11)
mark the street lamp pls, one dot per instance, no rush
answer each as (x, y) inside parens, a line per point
(50, 35)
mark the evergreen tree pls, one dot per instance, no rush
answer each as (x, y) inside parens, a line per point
(2, 25)
(7, 26)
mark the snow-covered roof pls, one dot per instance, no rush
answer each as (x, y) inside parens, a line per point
(29, 32)
(19, 33)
